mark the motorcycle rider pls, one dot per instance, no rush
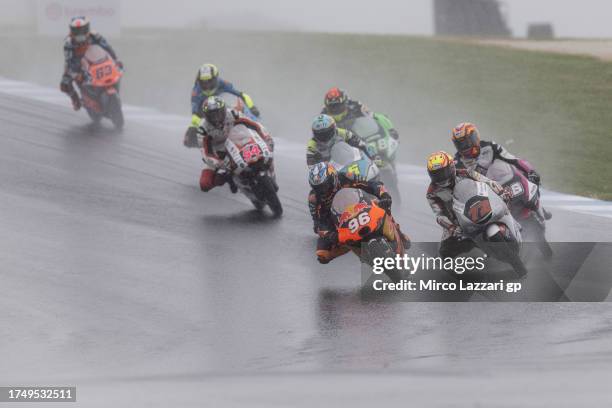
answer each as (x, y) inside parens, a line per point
(207, 84)
(218, 120)
(478, 155)
(325, 134)
(444, 173)
(339, 106)
(75, 46)
(325, 182)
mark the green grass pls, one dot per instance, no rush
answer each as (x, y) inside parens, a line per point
(550, 109)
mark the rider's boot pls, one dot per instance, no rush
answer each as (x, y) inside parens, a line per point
(76, 101)
(232, 185)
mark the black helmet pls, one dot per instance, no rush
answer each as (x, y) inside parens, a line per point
(214, 111)
(79, 29)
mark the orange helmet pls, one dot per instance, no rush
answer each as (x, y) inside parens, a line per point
(441, 169)
(466, 138)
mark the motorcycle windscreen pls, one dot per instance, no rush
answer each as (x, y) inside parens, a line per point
(345, 198)
(342, 154)
(95, 54)
(500, 171)
(365, 126)
(232, 101)
(466, 193)
(240, 135)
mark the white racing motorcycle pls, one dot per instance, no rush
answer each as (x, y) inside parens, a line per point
(485, 218)
(524, 202)
(251, 162)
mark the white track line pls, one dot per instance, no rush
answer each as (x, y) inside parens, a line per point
(408, 172)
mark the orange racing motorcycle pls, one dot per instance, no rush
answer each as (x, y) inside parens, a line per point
(365, 228)
(99, 86)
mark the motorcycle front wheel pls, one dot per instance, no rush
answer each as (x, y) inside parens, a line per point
(272, 198)
(115, 112)
(380, 248)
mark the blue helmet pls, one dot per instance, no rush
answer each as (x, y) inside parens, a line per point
(323, 178)
(324, 128)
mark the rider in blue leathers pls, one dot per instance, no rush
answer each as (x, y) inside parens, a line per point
(209, 84)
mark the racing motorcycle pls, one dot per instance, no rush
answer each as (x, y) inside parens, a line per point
(524, 202)
(237, 103)
(99, 86)
(250, 161)
(365, 228)
(374, 130)
(353, 163)
(485, 218)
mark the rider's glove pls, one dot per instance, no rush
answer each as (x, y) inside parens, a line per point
(393, 133)
(191, 138)
(506, 195)
(119, 64)
(255, 111)
(496, 187)
(534, 177)
(66, 85)
(455, 231)
(385, 201)
(355, 141)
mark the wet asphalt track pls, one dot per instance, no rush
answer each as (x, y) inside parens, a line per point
(120, 277)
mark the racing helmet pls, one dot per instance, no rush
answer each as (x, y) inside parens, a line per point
(441, 169)
(324, 180)
(208, 78)
(214, 111)
(466, 138)
(79, 29)
(336, 103)
(324, 128)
